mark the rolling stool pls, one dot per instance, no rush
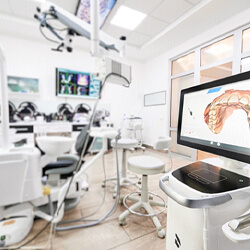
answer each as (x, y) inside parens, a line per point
(146, 165)
(124, 144)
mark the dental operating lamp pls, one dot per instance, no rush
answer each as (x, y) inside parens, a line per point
(76, 26)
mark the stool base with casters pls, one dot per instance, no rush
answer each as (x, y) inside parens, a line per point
(125, 180)
(145, 165)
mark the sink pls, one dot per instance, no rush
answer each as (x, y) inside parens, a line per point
(54, 145)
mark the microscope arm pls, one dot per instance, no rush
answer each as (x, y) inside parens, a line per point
(75, 25)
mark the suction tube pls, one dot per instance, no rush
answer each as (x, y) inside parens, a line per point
(4, 101)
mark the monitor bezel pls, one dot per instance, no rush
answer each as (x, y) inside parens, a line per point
(218, 151)
(71, 95)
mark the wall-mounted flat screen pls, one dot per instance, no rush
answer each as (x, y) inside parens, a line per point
(71, 83)
(215, 117)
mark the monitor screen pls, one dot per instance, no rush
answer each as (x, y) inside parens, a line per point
(83, 10)
(76, 84)
(215, 117)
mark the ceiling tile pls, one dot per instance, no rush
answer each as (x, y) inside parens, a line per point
(193, 1)
(5, 7)
(151, 26)
(67, 5)
(137, 39)
(145, 6)
(170, 10)
(115, 31)
(24, 8)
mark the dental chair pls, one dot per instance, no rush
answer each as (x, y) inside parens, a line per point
(147, 165)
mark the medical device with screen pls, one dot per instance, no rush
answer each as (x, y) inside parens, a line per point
(215, 117)
(76, 84)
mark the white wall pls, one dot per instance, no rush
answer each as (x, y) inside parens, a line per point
(31, 58)
(156, 76)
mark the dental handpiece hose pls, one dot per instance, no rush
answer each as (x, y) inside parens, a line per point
(80, 163)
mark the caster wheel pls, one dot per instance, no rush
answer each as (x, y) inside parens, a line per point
(103, 185)
(114, 196)
(122, 222)
(161, 233)
(150, 197)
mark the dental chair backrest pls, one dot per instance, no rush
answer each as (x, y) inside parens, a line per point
(163, 143)
(98, 116)
(82, 137)
(137, 126)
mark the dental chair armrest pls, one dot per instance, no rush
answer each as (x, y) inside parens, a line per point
(60, 167)
(108, 132)
(67, 157)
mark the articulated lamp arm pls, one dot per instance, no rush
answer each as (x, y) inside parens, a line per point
(76, 26)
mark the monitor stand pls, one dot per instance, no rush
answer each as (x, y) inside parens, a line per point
(231, 165)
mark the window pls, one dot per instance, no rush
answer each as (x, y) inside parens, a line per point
(182, 77)
(245, 64)
(246, 40)
(215, 73)
(217, 51)
(177, 85)
(183, 64)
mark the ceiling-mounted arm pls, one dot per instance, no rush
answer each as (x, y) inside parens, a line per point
(75, 25)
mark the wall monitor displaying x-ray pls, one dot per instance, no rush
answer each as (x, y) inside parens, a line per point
(71, 83)
(215, 117)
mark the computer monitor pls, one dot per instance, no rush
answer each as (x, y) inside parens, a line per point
(215, 117)
(71, 83)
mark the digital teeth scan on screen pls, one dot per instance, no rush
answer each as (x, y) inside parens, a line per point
(222, 107)
(219, 116)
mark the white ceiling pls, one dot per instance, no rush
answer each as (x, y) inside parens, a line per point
(168, 22)
(160, 14)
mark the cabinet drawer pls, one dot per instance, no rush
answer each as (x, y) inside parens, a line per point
(23, 129)
(78, 128)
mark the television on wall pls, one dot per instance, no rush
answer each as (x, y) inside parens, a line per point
(71, 83)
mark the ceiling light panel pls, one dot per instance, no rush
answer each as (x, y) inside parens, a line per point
(127, 18)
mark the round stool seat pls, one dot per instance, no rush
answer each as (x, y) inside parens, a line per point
(125, 143)
(146, 165)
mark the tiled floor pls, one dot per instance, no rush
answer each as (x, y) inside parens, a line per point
(138, 233)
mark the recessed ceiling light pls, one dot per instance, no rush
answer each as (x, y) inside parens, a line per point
(127, 18)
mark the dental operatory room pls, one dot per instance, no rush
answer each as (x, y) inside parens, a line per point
(125, 124)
